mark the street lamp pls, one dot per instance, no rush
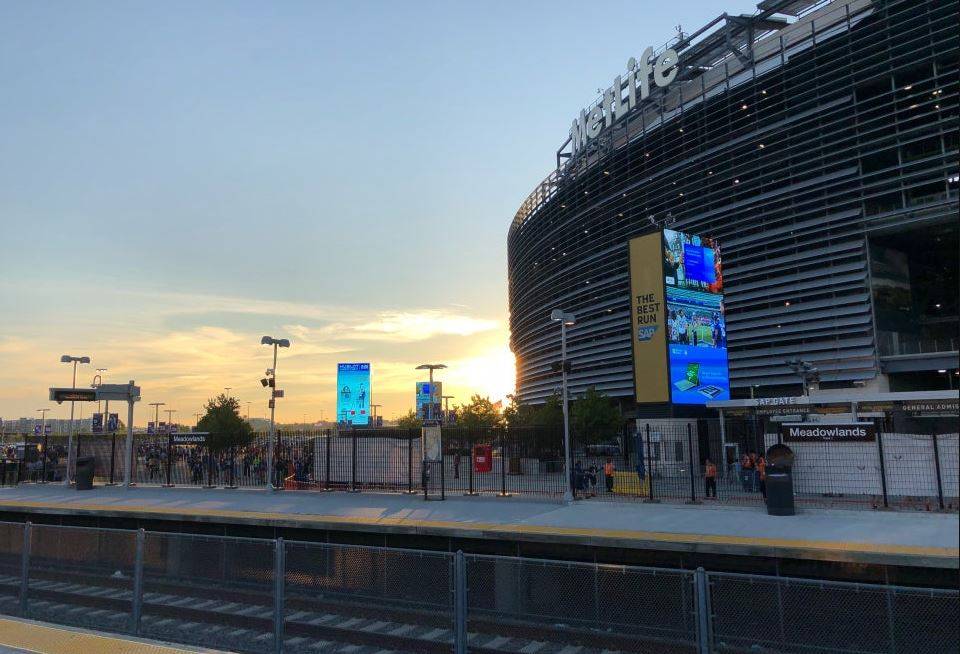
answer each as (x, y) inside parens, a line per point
(446, 407)
(566, 320)
(275, 342)
(431, 367)
(169, 413)
(373, 417)
(156, 415)
(66, 358)
(97, 380)
(806, 371)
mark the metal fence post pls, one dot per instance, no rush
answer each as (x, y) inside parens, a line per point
(459, 603)
(472, 443)
(410, 464)
(113, 458)
(649, 466)
(353, 460)
(936, 464)
(693, 486)
(883, 469)
(169, 459)
(503, 466)
(46, 455)
(278, 579)
(704, 622)
(137, 609)
(25, 568)
(326, 473)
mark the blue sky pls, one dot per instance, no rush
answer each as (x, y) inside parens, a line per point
(178, 178)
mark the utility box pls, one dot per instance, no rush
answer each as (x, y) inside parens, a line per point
(482, 458)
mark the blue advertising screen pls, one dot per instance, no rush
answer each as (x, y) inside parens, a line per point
(696, 327)
(353, 393)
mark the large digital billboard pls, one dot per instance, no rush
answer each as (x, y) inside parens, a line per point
(353, 393)
(648, 309)
(696, 329)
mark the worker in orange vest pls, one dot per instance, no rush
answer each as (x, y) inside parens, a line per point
(608, 470)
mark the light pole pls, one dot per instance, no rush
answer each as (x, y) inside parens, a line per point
(373, 417)
(566, 320)
(248, 411)
(169, 413)
(97, 380)
(431, 367)
(196, 422)
(806, 371)
(66, 358)
(275, 342)
(156, 415)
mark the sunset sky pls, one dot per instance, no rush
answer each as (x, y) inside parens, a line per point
(178, 179)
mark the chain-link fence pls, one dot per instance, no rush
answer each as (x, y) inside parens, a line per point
(253, 595)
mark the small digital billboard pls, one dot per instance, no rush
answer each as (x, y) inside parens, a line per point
(695, 323)
(353, 393)
(428, 394)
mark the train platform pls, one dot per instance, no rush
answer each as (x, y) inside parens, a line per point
(928, 540)
(23, 636)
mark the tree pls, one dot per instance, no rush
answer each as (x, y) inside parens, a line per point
(409, 420)
(594, 418)
(479, 412)
(548, 414)
(223, 422)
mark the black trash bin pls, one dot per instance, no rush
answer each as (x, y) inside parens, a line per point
(84, 474)
(780, 481)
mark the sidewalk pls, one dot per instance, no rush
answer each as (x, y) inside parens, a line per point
(18, 636)
(927, 539)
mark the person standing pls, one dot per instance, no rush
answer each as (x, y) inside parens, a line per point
(746, 472)
(608, 470)
(710, 479)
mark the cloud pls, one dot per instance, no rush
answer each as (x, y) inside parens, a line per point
(406, 327)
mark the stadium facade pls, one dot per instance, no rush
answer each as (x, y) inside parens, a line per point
(817, 142)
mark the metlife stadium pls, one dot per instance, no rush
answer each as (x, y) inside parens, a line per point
(817, 143)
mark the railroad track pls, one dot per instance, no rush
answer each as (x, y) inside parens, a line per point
(324, 623)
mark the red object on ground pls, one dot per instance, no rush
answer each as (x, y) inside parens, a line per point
(482, 458)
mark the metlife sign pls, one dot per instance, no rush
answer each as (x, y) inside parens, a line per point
(808, 432)
(614, 106)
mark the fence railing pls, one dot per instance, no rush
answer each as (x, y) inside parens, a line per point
(278, 595)
(693, 461)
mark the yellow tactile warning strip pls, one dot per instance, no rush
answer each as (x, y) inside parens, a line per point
(33, 637)
(499, 529)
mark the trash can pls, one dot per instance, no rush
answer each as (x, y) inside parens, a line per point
(84, 474)
(780, 480)
(482, 458)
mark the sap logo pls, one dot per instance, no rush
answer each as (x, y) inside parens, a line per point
(644, 334)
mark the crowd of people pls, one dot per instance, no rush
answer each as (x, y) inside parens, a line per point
(247, 465)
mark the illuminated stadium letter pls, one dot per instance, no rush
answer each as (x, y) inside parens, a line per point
(613, 102)
(665, 70)
(631, 83)
(643, 73)
(594, 122)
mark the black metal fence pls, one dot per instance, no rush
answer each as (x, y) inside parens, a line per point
(696, 461)
(260, 596)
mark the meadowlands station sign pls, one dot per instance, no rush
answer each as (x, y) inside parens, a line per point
(614, 106)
